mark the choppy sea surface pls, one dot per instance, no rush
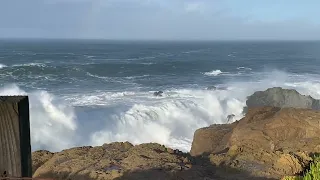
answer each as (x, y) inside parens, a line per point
(85, 92)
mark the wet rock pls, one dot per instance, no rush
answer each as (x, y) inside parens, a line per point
(158, 93)
(230, 118)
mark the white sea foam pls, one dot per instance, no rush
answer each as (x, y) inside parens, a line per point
(30, 64)
(96, 76)
(244, 68)
(147, 63)
(170, 120)
(53, 123)
(2, 66)
(213, 73)
(134, 77)
(99, 98)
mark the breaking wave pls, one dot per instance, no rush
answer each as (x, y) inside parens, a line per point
(170, 120)
(30, 64)
(244, 68)
(53, 122)
(213, 73)
(2, 66)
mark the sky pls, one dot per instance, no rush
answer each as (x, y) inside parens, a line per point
(161, 19)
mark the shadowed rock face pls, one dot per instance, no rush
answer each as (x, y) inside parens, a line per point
(278, 97)
(268, 141)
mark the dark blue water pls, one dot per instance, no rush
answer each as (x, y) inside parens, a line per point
(100, 91)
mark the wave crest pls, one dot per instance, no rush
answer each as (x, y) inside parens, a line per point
(170, 121)
(30, 64)
(2, 66)
(213, 73)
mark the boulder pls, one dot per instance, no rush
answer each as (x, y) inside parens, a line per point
(279, 97)
(158, 93)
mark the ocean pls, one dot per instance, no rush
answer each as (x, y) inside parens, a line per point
(90, 92)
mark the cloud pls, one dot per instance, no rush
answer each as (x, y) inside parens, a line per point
(150, 19)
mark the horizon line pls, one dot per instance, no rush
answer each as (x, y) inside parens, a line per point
(162, 40)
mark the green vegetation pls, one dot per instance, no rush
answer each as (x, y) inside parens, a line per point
(311, 174)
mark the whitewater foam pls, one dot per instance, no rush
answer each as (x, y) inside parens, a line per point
(30, 64)
(52, 122)
(96, 76)
(244, 68)
(213, 73)
(172, 120)
(2, 66)
(100, 98)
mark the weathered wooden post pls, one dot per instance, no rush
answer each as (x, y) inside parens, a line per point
(15, 147)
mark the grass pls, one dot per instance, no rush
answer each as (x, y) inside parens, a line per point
(313, 173)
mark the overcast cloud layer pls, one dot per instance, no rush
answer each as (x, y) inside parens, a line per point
(161, 19)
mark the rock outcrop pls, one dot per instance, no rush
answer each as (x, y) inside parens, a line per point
(123, 161)
(110, 161)
(268, 141)
(279, 97)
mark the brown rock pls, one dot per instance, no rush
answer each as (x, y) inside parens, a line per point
(111, 161)
(288, 165)
(211, 139)
(39, 158)
(267, 128)
(268, 141)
